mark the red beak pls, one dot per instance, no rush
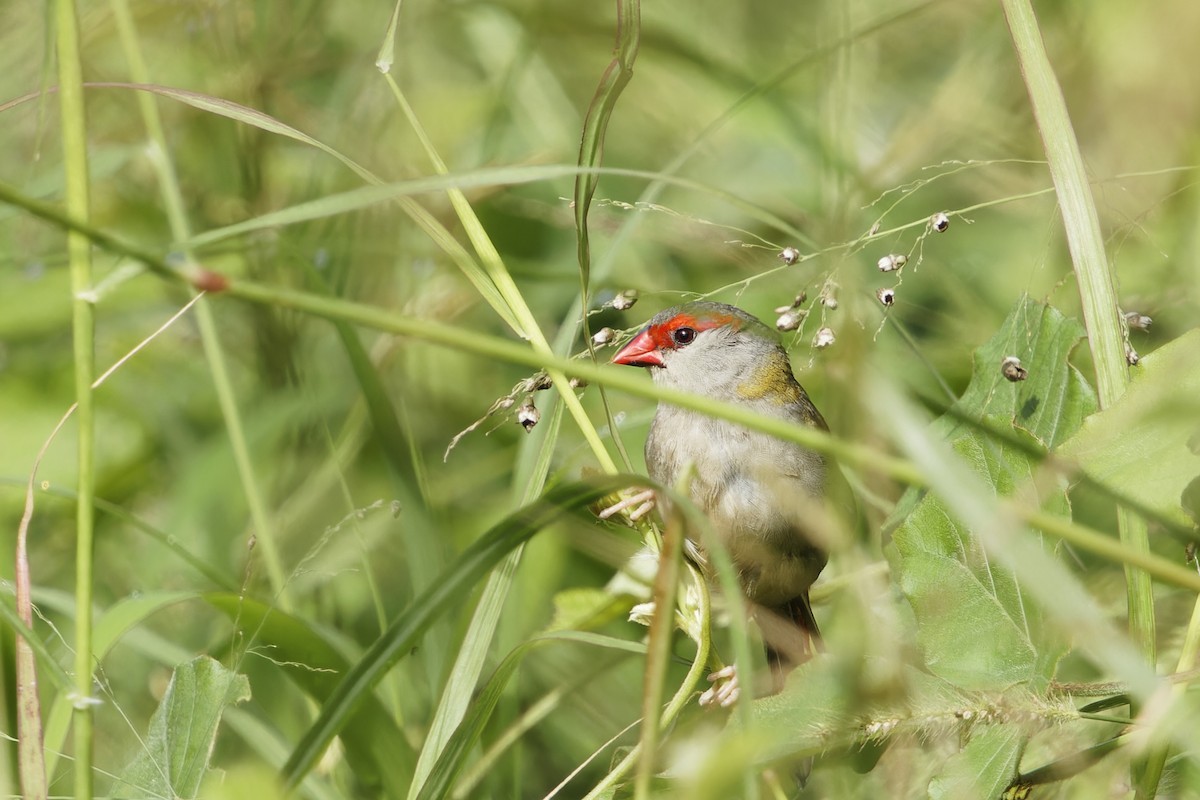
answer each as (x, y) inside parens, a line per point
(641, 352)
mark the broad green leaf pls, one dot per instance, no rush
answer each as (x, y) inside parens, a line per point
(983, 768)
(1054, 398)
(1145, 443)
(183, 730)
(976, 627)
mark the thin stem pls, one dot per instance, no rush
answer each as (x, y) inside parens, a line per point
(172, 195)
(79, 250)
(658, 656)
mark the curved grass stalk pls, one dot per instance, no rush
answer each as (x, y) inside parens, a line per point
(1101, 313)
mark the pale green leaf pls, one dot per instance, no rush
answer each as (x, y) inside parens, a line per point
(183, 730)
(1142, 442)
(982, 769)
(976, 626)
(1054, 398)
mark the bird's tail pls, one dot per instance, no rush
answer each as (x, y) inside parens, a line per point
(791, 635)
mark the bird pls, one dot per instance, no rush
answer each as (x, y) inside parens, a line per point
(761, 494)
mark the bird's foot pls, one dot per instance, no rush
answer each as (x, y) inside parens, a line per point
(642, 502)
(725, 689)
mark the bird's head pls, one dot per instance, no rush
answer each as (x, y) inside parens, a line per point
(711, 348)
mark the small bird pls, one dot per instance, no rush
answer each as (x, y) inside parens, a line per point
(760, 493)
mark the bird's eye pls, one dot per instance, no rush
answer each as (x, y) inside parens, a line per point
(683, 336)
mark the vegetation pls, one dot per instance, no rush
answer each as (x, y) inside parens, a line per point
(299, 541)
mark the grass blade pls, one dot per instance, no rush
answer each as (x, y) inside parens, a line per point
(405, 631)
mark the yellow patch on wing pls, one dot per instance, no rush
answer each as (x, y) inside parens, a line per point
(774, 380)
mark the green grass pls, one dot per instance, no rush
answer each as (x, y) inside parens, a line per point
(394, 248)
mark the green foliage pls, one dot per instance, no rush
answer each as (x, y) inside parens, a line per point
(977, 627)
(1148, 443)
(175, 755)
(413, 254)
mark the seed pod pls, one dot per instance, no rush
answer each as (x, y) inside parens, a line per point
(799, 301)
(892, 262)
(1011, 369)
(624, 300)
(577, 383)
(940, 221)
(603, 336)
(829, 295)
(824, 338)
(789, 255)
(886, 296)
(1137, 321)
(1132, 356)
(790, 319)
(528, 414)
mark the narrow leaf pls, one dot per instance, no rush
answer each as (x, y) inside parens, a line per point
(456, 582)
(376, 749)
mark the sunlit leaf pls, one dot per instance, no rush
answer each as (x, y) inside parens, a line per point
(1145, 442)
(976, 627)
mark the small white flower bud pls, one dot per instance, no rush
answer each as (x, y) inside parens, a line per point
(624, 300)
(1132, 356)
(528, 414)
(790, 319)
(577, 383)
(940, 221)
(1137, 321)
(603, 336)
(892, 262)
(789, 255)
(1011, 369)
(886, 296)
(824, 338)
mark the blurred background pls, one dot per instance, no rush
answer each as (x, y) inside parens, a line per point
(827, 117)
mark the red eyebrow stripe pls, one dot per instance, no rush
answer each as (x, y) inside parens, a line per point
(662, 333)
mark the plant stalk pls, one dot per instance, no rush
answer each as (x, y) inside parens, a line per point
(1098, 296)
(79, 253)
